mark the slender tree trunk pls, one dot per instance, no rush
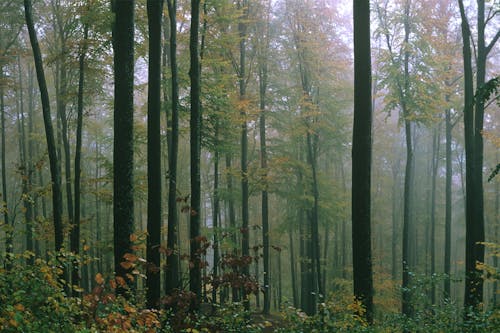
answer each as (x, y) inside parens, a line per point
(448, 212)
(9, 233)
(49, 132)
(293, 270)
(172, 269)
(215, 213)
(123, 142)
(496, 227)
(435, 164)
(75, 232)
(154, 221)
(361, 164)
(264, 199)
(26, 169)
(195, 130)
(245, 232)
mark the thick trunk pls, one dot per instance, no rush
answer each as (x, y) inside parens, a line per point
(473, 281)
(154, 219)
(361, 160)
(123, 142)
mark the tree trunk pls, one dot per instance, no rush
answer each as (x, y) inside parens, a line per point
(361, 160)
(263, 165)
(123, 142)
(448, 212)
(435, 164)
(172, 269)
(195, 137)
(49, 132)
(245, 232)
(473, 281)
(75, 232)
(215, 213)
(154, 220)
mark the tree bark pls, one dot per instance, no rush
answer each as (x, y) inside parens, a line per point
(75, 232)
(195, 137)
(361, 160)
(172, 269)
(448, 212)
(123, 142)
(154, 221)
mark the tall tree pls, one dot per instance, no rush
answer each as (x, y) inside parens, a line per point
(49, 132)
(242, 82)
(361, 160)
(155, 11)
(172, 269)
(473, 127)
(195, 137)
(263, 82)
(75, 232)
(123, 140)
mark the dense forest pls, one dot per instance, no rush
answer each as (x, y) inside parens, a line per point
(249, 166)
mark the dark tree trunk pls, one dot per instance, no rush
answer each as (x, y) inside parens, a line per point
(172, 269)
(49, 132)
(264, 199)
(153, 282)
(195, 137)
(75, 232)
(245, 232)
(215, 213)
(473, 281)
(448, 216)
(123, 142)
(361, 160)
(9, 233)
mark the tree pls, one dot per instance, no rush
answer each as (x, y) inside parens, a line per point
(172, 269)
(49, 132)
(155, 11)
(123, 140)
(264, 32)
(75, 235)
(473, 127)
(361, 160)
(195, 137)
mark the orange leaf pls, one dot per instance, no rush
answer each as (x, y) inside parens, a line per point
(126, 264)
(121, 281)
(99, 279)
(130, 257)
(133, 237)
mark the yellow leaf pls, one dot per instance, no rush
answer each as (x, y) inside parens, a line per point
(129, 309)
(19, 307)
(86, 247)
